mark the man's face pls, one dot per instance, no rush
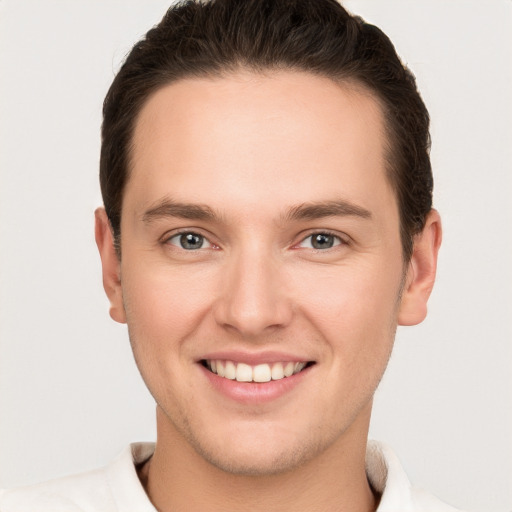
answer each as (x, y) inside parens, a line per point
(259, 231)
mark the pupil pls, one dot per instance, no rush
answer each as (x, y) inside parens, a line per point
(322, 241)
(191, 241)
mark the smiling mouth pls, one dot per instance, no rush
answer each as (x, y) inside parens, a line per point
(242, 372)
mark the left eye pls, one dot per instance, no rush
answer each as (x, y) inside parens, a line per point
(189, 241)
(320, 241)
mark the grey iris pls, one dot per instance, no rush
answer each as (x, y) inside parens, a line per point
(191, 241)
(322, 241)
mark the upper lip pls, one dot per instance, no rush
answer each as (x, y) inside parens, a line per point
(254, 358)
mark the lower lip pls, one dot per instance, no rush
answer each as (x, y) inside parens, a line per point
(254, 392)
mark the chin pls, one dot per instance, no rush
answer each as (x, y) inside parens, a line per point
(257, 451)
(258, 462)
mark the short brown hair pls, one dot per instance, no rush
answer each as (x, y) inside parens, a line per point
(204, 38)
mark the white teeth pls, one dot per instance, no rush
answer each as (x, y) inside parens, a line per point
(277, 371)
(230, 370)
(288, 369)
(299, 367)
(243, 372)
(220, 369)
(261, 373)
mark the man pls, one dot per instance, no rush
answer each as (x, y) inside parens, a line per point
(268, 223)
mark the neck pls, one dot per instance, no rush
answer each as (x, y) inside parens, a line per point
(177, 478)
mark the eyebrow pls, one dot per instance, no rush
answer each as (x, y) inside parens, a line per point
(312, 211)
(305, 211)
(169, 208)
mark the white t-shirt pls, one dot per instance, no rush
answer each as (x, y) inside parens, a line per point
(116, 487)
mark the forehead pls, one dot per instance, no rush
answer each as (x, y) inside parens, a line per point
(291, 135)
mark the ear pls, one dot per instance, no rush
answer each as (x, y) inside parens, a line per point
(110, 264)
(421, 272)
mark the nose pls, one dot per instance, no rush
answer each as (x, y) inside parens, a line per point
(253, 297)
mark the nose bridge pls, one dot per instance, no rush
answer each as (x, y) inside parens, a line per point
(253, 297)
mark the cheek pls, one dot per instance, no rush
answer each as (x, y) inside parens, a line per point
(164, 309)
(164, 305)
(353, 306)
(353, 309)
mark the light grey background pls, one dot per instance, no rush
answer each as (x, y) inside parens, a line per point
(70, 394)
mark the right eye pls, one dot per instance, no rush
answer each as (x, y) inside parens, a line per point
(190, 241)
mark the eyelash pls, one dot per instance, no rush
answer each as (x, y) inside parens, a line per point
(338, 240)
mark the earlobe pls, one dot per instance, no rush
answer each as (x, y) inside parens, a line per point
(110, 265)
(421, 272)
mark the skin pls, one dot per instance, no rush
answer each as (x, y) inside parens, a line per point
(253, 149)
